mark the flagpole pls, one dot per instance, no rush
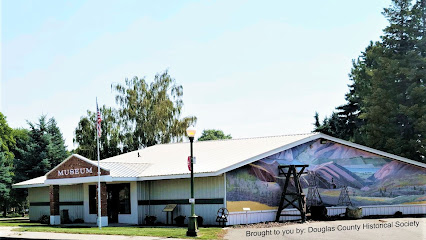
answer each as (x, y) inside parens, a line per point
(99, 169)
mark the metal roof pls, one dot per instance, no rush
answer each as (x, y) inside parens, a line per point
(212, 157)
(123, 169)
(35, 182)
(169, 161)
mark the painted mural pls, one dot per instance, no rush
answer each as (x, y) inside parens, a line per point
(370, 179)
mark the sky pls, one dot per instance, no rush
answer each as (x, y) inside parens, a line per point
(249, 68)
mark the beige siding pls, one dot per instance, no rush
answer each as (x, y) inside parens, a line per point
(37, 211)
(71, 193)
(204, 188)
(74, 212)
(40, 194)
(143, 190)
(207, 187)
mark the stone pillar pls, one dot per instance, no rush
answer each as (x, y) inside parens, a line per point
(104, 204)
(55, 217)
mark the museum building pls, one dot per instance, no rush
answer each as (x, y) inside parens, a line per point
(240, 175)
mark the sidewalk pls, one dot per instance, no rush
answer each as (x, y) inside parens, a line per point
(363, 229)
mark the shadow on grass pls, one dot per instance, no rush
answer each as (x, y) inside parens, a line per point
(11, 220)
(21, 222)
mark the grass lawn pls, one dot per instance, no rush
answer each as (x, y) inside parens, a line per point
(6, 222)
(26, 226)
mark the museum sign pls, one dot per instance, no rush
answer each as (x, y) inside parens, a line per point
(75, 167)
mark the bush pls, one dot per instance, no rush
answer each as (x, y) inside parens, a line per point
(180, 220)
(398, 214)
(44, 219)
(150, 220)
(353, 212)
(200, 221)
(78, 220)
(318, 213)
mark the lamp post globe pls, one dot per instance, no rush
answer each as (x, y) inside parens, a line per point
(192, 220)
(190, 131)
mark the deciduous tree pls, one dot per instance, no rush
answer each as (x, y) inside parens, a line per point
(213, 134)
(151, 112)
(110, 143)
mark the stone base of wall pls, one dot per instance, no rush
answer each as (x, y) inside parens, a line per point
(104, 221)
(55, 219)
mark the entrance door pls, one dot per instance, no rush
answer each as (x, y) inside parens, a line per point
(113, 202)
(118, 199)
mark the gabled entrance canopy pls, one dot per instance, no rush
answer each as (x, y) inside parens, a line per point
(76, 169)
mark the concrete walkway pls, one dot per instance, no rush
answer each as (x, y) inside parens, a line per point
(7, 233)
(363, 229)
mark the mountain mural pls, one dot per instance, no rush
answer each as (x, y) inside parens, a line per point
(330, 171)
(396, 169)
(264, 172)
(331, 150)
(371, 179)
(315, 153)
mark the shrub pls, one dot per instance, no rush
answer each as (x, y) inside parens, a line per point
(200, 221)
(78, 220)
(180, 220)
(44, 219)
(150, 220)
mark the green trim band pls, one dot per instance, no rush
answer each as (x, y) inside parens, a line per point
(181, 201)
(34, 204)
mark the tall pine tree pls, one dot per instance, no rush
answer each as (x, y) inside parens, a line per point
(43, 150)
(386, 103)
(58, 151)
(19, 195)
(5, 181)
(7, 143)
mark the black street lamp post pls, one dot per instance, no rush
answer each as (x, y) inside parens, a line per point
(192, 220)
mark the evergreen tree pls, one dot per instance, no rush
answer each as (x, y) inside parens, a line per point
(396, 108)
(386, 103)
(42, 151)
(19, 195)
(7, 143)
(317, 123)
(58, 151)
(37, 158)
(5, 181)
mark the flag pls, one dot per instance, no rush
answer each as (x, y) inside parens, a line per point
(98, 121)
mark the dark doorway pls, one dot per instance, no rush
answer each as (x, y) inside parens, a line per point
(118, 198)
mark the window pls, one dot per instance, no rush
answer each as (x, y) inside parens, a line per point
(92, 199)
